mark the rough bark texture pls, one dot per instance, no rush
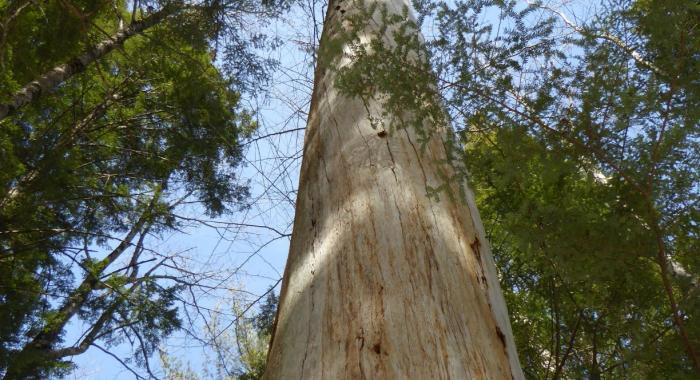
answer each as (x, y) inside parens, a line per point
(383, 282)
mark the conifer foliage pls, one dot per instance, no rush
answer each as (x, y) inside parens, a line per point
(114, 116)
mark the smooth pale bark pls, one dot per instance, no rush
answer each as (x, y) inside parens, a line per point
(383, 282)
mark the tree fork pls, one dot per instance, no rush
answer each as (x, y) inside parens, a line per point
(382, 281)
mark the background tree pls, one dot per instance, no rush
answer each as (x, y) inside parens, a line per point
(238, 354)
(105, 161)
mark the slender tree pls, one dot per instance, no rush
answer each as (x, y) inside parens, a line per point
(389, 273)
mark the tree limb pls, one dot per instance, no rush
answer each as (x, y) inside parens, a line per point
(59, 74)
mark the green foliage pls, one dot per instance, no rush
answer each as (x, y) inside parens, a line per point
(53, 33)
(254, 338)
(265, 320)
(585, 173)
(94, 167)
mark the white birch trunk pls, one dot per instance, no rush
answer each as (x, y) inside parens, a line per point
(381, 281)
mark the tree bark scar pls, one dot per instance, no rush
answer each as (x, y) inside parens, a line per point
(502, 338)
(361, 339)
(482, 274)
(475, 248)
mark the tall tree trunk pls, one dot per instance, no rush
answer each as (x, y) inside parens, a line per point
(383, 282)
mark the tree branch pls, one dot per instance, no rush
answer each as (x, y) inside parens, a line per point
(59, 74)
(607, 37)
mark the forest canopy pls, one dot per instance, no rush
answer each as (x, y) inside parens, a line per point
(577, 124)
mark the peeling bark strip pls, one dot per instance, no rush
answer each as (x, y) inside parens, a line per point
(61, 73)
(382, 282)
